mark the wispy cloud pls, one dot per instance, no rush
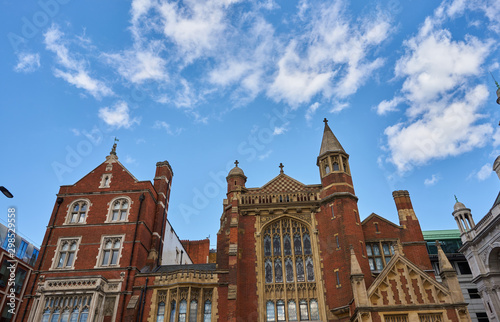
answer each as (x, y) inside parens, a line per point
(27, 62)
(265, 155)
(281, 129)
(118, 116)
(167, 127)
(311, 111)
(443, 105)
(485, 172)
(432, 180)
(74, 70)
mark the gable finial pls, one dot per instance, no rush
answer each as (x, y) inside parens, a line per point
(113, 150)
(281, 166)
(236, 163)
(325, 120)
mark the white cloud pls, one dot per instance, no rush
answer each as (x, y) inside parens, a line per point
(167, 127)
(385, 107)
(443, 101)
(117, 116)
(27, 62)
(332, 57)
(311, 111)
(130, 160)
(280, 130)
(265, 155)
(485, 172)
(432, 180)
(75, 71)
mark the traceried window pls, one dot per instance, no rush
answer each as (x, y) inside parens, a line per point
(119, 210)
(160, 315)
(182, 311)
(77, 212)
(207, 311)
(67, 309)
(110, 252)
(379, 254)
(66, 253)
(193, 311)
(289, 264)
(172, 311)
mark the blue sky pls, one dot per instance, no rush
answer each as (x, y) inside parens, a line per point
(405, 85)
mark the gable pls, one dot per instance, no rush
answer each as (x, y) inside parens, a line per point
(403, 283)
(283, 183)
(374, 217)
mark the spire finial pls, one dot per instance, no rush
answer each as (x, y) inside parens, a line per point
(281, 166)
(113, 150)
(456, 199)
(236, 163)
(496, 83)
(325, 120)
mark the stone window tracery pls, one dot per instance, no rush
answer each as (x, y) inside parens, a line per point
(77, 212)
(66, 253)
(119, 210)
(110, 251)
(70, 308)
(292, 257)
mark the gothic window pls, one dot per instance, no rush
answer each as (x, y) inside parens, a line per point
(270, 311)
(304, 315)
(66, 253)
(345, 164)
(193, 311)
(278, 271)
(182, 311)
(267, 245)
(64, 309)
(292, 311)
(269, 271)
(307, 244)
(110, 251)
(327, 169)
(379, 254)
(276, 245)
(289, 262)
(335, 166)
(300, 269)
(289, 270)
(119, 210)
(172, 311)
(161, 312)
(310, 269)
(77, 212)
(207, 313)
(287, 245)
(297, 245)
(280, 309)
(105, 180)
(313, 305)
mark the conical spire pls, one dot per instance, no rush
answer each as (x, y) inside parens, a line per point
(329, 142)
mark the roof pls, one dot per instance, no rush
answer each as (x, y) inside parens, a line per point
(432, 235)
(330, 142)
(193, 267)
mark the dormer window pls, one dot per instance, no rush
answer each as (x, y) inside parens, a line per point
(105, 180)
(77, 212)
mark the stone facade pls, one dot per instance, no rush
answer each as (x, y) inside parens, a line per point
(286, 251)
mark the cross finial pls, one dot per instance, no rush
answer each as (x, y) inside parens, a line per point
(236, 163)
(456, 199)
(325, 120)
(281, 167)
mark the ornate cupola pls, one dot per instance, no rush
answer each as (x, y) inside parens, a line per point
(463, 217)
(332, 157)
(235, 178)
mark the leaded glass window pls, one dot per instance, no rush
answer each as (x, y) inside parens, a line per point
(289, 270)
(207, 313)
(287, 245)
(267, 245)
(292, 311)
(278, 271)
(307, 244)
(193, 311)
(172, 311)
(313, 305)
(304, 315)
(182, 311)
(310, 269)
(297, 245)
(160, 315)
(280, 309)
(300, 269)
(277, 245)
(379, 254)
(270, 311)
(269, 271)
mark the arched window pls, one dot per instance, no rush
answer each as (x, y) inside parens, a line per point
(172, 311)
(327, 169)
(280, 309)
(46, 315)
(292, 311)
(160, 315)
(336, 166)
(182, 311)
(193, 311)
(119, 210)
(78, 212)
(313, 305)
(207, 312)
(65, 315)
(288, 259)
(270, 311)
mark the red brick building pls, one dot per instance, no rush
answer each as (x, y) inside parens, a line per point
(285, 252)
